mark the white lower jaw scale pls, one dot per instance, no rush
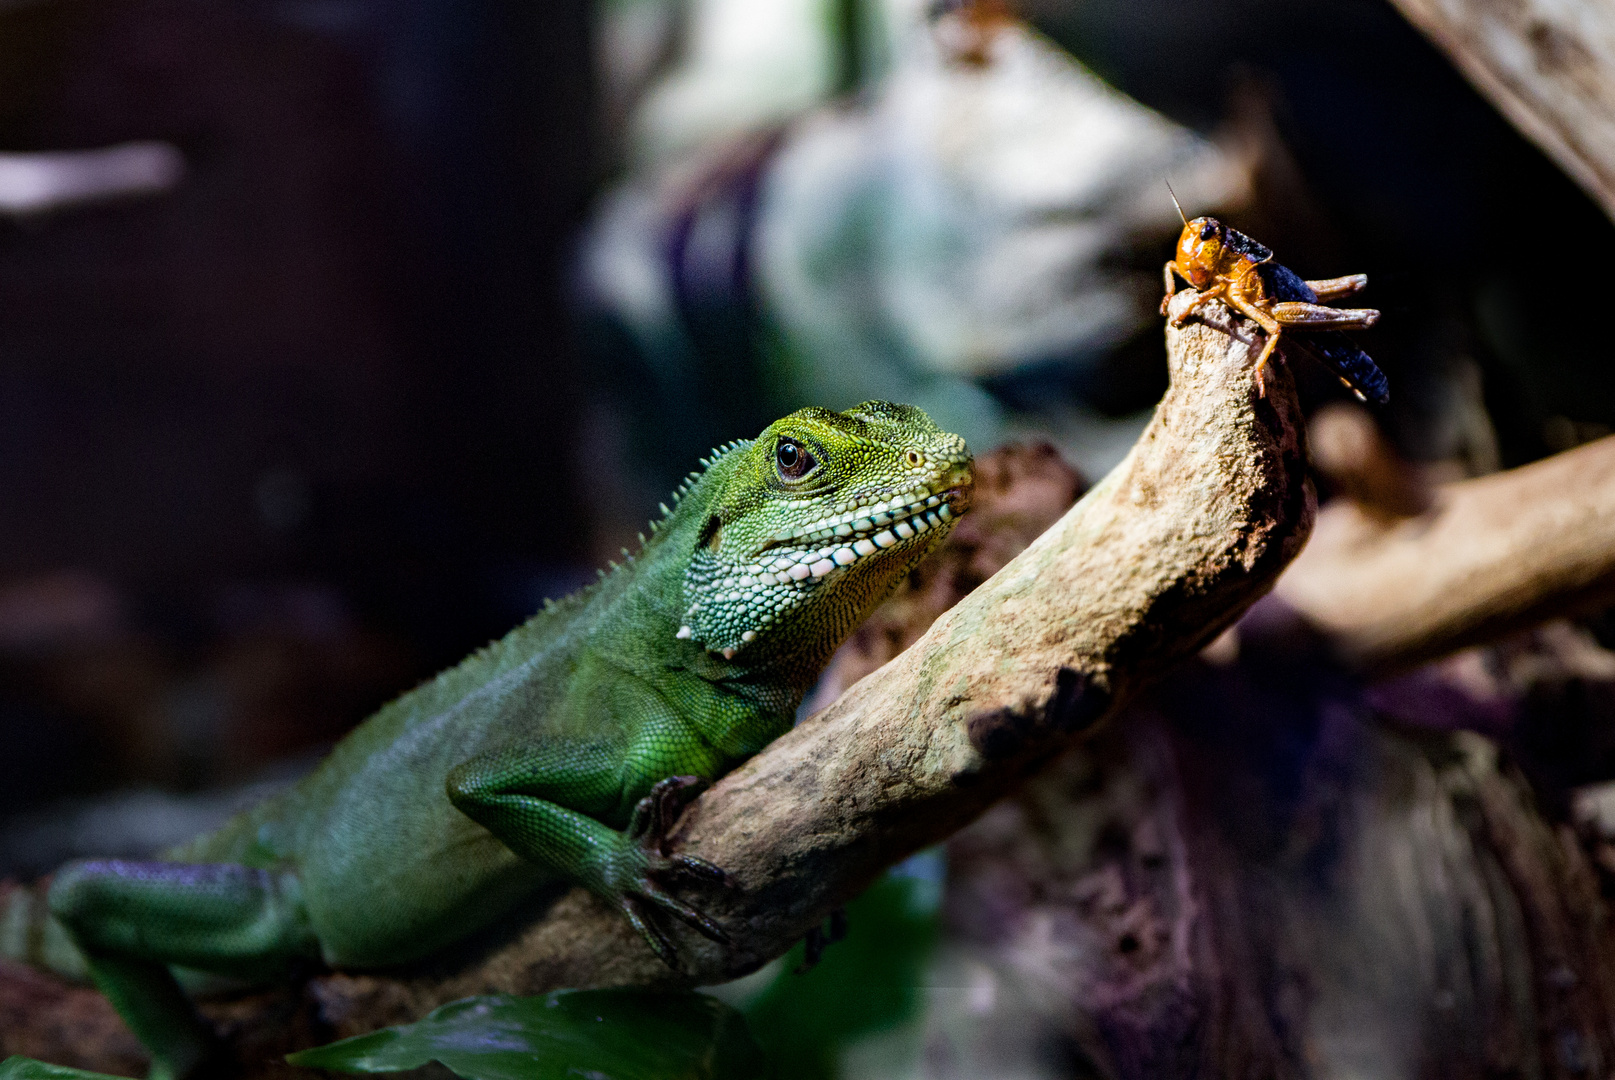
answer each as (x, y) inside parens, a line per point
(817, 563)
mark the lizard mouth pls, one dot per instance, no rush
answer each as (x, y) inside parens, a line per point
(816, 550)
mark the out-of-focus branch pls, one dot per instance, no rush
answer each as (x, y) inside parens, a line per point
(1159, 557)
(1490, 556)
(1548, 66)
(39, 183)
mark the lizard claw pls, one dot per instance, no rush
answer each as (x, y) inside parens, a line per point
(656, 813)
(689, 916)
(651, 933)
(653, 817)
(819, 938)
(700, 869)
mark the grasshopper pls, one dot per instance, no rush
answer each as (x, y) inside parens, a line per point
(1225, 264)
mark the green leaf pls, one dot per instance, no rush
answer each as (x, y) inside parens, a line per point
(568, 1035)
(21, 1068)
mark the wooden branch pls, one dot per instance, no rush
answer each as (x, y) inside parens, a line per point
(1491, 555)
(1548, 66)
(1160, 557)
(1163, 554)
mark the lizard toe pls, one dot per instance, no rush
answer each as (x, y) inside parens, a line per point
(657, 812)
(700, 869)
(652, 934)
(687, 915)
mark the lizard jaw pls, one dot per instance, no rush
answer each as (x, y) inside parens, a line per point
(818, 549)
(822, 552)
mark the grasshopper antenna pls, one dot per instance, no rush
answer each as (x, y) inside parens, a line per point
(1175, 203)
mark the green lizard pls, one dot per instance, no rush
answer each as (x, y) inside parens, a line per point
(563, 750)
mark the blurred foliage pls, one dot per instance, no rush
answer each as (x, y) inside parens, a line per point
(605, 1034)
(796, 1027)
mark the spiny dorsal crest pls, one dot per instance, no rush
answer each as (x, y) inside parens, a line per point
(691, 480)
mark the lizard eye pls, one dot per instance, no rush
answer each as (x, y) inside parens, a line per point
(793, 459)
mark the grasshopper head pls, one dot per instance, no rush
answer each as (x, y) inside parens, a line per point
(1202, 248)
(816, 521)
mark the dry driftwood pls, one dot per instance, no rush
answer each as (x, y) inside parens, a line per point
(1236, 882)
(1258, 871)
(1489, 556)
(1549, 66)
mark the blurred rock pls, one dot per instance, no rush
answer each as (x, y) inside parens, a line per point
(45, 1018)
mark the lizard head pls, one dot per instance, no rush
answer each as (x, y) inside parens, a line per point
(815, 522)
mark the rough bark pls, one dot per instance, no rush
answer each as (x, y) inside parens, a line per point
(1547, 65)
(1267, 868)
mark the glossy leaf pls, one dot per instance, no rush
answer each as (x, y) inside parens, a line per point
(601, 1034)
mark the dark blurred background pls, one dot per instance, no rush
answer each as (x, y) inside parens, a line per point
(280, 440)
(286, 437)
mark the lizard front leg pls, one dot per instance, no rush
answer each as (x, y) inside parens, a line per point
(542, 802)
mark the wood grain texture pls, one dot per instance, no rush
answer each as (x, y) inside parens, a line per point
(1548, 65)
(1491, 555)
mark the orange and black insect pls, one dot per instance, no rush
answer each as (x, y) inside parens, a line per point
(1225, 264)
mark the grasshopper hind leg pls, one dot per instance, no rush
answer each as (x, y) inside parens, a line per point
(1261, 360)
(1338, 288)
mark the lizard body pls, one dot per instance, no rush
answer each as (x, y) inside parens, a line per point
(561, 751)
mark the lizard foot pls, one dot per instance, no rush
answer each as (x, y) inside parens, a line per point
(653, 816)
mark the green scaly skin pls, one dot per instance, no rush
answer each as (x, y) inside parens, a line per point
(549, 753)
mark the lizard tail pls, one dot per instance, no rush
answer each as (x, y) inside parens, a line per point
(30, 936)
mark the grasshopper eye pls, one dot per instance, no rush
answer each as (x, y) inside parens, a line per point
(793, 460)
(1208, 230)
